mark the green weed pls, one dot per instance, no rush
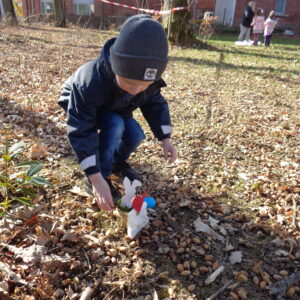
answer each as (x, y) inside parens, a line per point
(18, 181)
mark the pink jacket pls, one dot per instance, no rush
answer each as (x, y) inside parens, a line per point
(258, 24)
(270, 26)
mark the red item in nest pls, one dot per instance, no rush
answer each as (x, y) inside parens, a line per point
(138, 201)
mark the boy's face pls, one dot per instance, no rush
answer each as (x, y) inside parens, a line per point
(132, 86)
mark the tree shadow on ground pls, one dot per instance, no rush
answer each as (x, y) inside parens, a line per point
(30, 27)
(277, 43)
(230, 66)
(22, 39)
(258, 54)
(277, 38)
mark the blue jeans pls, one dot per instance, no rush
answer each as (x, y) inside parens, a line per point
(118, 138)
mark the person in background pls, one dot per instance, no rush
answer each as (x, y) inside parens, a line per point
(270, 25)
(245, 25)
(258, 25)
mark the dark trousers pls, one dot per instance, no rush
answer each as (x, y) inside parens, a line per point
(268, 40)
(118, 138)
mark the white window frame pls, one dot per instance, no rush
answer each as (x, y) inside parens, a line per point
(89, 3)
(45, 3)
(283, 7)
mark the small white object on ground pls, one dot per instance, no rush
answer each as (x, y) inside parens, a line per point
(244, 43)
(137, 221)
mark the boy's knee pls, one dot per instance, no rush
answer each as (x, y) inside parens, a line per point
(135, 137)
(140, 136)
(116, 124)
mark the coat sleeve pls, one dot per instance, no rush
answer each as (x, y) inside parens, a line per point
(66, 89)
(82, 130)
(156, 113)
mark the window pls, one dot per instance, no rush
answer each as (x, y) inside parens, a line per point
(83, 7)
(280, 6)
(47, 7)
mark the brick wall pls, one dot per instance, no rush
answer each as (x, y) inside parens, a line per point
(112, 10)
(207, 5)
(68, 7)
(292, 10)
(33, 7)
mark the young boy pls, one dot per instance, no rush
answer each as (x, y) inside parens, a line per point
(99, 99)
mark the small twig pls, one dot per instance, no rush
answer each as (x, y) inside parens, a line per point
(110, 292)
(89, 291)
(53, 249)
(280, 288)
(87, 258)
(212, 277)
(220, 290)
(294, 213)
(13, 276)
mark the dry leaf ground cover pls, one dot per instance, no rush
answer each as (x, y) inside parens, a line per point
(228, 208)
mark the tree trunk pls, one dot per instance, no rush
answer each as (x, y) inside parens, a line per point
(167, 18)
(60, 16)
(179, 26)
(9, 12)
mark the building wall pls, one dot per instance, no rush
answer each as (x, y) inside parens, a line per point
(69, 7)
(32, 7)
(207, 5)
(292, 11)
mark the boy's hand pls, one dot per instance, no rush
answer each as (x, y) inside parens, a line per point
(102, 192)
(170, 152)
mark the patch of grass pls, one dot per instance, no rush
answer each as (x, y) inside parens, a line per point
(277, 39)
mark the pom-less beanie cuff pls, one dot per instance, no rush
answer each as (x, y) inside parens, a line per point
(138, 67)
(140, 51)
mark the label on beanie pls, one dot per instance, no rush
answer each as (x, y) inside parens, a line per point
(150, 74)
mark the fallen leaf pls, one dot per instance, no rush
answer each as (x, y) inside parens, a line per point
(70, 236)
(202, 227)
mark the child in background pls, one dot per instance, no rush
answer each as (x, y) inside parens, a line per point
(270, 24)
(258, 25)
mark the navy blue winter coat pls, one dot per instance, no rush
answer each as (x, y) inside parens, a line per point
(93, 89)
(248, 16)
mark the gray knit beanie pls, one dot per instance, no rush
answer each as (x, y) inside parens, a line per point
(141, 50)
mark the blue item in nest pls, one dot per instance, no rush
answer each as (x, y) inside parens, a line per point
(150, 202)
